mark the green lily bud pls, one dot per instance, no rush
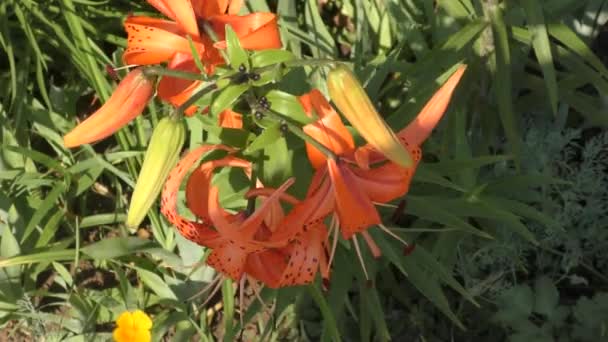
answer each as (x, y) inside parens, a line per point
(352, 100)
(162, 155)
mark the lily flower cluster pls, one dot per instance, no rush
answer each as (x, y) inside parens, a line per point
(283, 241)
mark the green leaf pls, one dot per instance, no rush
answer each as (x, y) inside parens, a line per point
(260, 59)
(278, 167)
(50, 162)
(317, 31)
(524, 210)
(228, 295)
(269, 136)
(102, 220)
(567, 37)
(43, 209)
(516, 304)
(288, 105)
(195, 54)
(156, 284)
(116, 247)
(372, 305)
(42, 256)
(425, 209)
(226, 97)
(329, 320)
(341, 281)
(236, 54)
(422, 279)
(457, 9)
(542, 47)
(546, 296)
(9, 247)
(500, 65)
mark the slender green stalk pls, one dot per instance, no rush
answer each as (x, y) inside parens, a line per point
(313, 62)
(179, 111)
(298, 63)
(295, 129)
(291, 125)
(160, 71)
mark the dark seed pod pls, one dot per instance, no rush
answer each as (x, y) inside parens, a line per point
(258, 115)
(254, 76)
(284, 128)
(242, 68)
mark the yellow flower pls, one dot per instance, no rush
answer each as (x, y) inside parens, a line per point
(133, 327)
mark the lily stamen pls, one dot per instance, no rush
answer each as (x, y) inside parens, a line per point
(389, 232)
(333, 229)
(216, 283)
(360, 256)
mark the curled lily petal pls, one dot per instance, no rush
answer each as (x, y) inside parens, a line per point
(181, 11)
(206, 9)
(127, 101)
(256, 31)
(199, 184)
(243, 231)
(353, 206)
(197, 188)
(230, 119)
(327, 130)
(200, 233)
(178, 90)
(422, 126)
(230, 257)
(385, 183)
(275, 215)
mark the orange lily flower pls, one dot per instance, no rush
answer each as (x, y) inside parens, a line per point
(127, 101)
(153, 41)
(294, 255)
(350, 180)
(241, 243)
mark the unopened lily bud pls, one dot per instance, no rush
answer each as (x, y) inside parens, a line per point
(162, 155)
(352, 100)
(127, 101)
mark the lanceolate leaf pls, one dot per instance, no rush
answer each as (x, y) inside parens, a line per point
(542, 47)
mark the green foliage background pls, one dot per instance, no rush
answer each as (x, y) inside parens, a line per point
(508, 211)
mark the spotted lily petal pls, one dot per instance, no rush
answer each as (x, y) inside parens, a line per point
(197, 232)
(153, 41)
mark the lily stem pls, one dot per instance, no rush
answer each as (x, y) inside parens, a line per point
(254, 104)
(318, 62)
(160, 71)
(179, 111)
(299, 132)
(313, 62)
